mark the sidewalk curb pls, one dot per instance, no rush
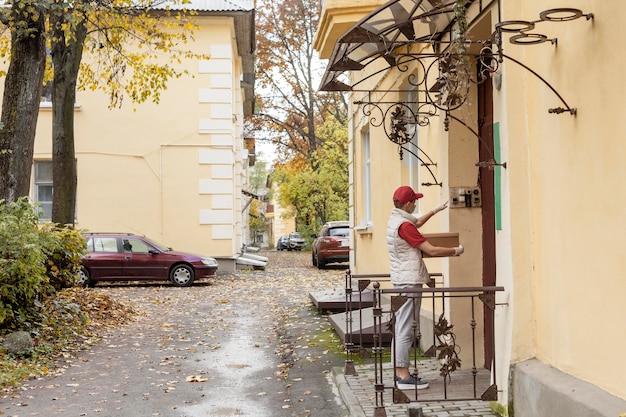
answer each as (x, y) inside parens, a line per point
(349, 399)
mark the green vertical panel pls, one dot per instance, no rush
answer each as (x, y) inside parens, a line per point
(497, 176)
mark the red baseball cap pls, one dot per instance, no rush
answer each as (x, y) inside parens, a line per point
(405, 194)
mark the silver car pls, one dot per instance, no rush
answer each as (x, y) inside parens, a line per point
(296, 242)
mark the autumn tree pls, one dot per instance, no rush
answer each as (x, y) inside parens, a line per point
(25, 20)
(309, 128)
(66, 50)
(289, 109)
(258, 180)
(321, 195)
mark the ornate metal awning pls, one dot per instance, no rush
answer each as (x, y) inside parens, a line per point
(428, 40)
(386, 38)
(378, 37)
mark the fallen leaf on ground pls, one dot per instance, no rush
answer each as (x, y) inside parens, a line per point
(196, 378)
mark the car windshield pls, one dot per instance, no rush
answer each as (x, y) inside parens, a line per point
(295, 235)
(339, 232)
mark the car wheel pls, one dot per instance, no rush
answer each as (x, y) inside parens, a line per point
(320, 264)
(84, 279)
(182, 275)
(313, 259)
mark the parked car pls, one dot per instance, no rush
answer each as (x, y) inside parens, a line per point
(296, 242)
(283, 243)
(332, 244)
(129, 257)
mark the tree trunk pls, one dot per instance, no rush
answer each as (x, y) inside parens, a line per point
(20, 105)
(66, 59)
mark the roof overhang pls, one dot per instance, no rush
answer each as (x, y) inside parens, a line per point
(245, 33)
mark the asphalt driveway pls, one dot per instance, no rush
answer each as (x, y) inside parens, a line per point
(246, 344)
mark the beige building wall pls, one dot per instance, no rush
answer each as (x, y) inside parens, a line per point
(284, 221)
(566, 212)
(172, 171)
(560, 201)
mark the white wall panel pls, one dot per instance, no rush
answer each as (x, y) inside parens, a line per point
(215, 187)
(215, 66)
(215, 156)
(214, 125)
(221, 51)
(222, 140)
(222, 232)
(211, 95)
(216, 217)
(222, 172)
(222, 111)
(222, 202)
(221, 81)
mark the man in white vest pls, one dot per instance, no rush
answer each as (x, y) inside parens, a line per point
(408, 271)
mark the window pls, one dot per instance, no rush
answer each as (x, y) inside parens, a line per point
(136, 246)
(46, 93)
(43, 188)
(411, 99)
(339, 231)
(102, 244)
(367, 180)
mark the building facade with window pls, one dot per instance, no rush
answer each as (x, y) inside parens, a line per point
(173, 171)
(511, 110)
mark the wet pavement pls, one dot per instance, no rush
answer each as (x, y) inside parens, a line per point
(244, 344)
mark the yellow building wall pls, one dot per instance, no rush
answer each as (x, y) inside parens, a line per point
(567, 266)
(560, 200)
(284, 221)
(172, 171)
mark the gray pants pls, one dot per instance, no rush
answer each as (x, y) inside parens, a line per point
(404, 333)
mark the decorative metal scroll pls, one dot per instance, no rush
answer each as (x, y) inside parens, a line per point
(446, 346)
(453, 79)
(441, 81)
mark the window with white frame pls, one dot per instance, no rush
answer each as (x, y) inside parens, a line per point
(367, 180)
(414, 164)
(43, 188)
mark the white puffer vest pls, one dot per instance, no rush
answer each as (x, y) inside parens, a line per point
(407, 266)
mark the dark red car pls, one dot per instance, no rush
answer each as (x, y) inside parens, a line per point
(332, 244)
(129, 257)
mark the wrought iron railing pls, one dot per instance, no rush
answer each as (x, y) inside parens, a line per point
(439, 361)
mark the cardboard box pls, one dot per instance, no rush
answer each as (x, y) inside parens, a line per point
(446, 240)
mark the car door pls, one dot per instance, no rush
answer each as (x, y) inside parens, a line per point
(105, 258)
(142, 260)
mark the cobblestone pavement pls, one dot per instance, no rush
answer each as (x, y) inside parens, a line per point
(358, 394)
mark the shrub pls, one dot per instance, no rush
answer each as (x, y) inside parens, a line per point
(22, 262)
(64, 247)
(34, 262)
